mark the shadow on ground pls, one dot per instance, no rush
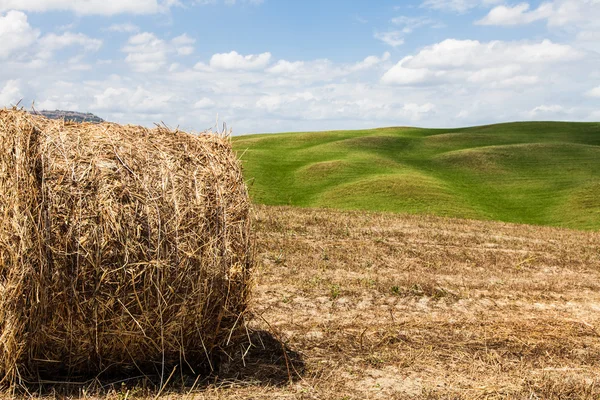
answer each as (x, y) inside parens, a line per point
(259, 359)
(262, 359)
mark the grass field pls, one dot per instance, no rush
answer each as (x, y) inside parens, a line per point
(384, 306)
(545, 173)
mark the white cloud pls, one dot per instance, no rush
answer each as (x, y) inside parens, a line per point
(578, 13)
(286, 67)
(304, 71)
(588, 36)
(274, 102)
(76, 64)
(53, 42)
(594, 116)
(517, 15)
(229, 2)
(417, 110)
(253, 2)
(392, 38)
(452, 53)
(401, 75)
(519, 81)
(315, 70)
(136, 99)
(552, 112)
(502, 76)
(463, 114)
(370, 62)
(123, 28)
(15, 34)
(10, 93)
(595, 92)
(558, 13)
(84, 7)
(204, 102)
(184, 45)
(146, 52)
(322, 70)
(450, 83)
(361, 20)
(495, 63)
(322, 94)
(236, 61)
(487, 74)
(550, 108)
(409, 24)
(459, 6)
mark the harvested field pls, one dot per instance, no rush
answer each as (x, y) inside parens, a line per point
(382, 306)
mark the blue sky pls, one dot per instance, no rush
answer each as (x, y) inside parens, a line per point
(274, 65)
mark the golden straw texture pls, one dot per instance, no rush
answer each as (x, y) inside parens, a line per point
(122, 249)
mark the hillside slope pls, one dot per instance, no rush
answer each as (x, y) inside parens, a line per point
(70, 116)
(545, 173)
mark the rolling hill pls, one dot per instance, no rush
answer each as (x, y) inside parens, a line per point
(544, 173)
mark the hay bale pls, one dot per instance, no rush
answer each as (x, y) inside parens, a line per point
(121, 248)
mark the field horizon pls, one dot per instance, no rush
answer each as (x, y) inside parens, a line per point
(535, 172)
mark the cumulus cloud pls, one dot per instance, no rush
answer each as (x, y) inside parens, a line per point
(146, 52)
(595, 92)
(450, 83)
(275, 102)
(236, 61)
(87, 7)
(409, 24)
(551, 111)
(21, 43)
(370, 62)
(453, 53)
(400, 74)
(123, 28)
(52, 42)
(286, 67)
(102, 7)
(10, 93)
(136, 99)
(323, 69)
(341, 101)
(204, 102)
(557, 13)
(495, 63)
(392, 38)
(15, 34)
(459, 6)
(184, 44)
(229, 2)
(306, 71)
(418, 110)
(518, 15)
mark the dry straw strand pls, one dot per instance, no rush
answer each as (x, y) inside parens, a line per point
(122, 249)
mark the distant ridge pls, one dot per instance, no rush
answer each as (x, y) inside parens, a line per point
(542, 173)
(70, 116)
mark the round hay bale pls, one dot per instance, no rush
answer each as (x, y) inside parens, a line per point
(122, 249)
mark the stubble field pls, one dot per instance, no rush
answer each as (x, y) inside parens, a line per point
(371, 306)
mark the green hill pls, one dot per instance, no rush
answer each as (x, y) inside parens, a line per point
(544, 173)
